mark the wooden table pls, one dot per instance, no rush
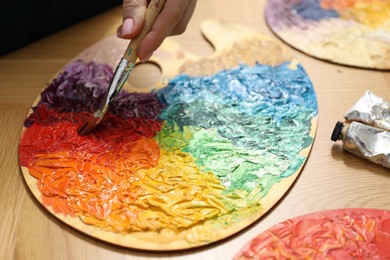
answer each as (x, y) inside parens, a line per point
(330, 179)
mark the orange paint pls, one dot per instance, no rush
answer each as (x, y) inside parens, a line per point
(118, 178)
(93, 185)
(371, 13)
(93, 176)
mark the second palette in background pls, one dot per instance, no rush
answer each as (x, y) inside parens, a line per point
(348, 32)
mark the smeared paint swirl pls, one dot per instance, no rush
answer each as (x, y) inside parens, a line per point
(335, 234)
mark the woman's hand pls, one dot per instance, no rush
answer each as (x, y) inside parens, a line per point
(172, 20)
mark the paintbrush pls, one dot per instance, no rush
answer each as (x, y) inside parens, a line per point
(124, 68)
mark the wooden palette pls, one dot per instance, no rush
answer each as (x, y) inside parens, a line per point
(333, 234)
(195, 158)
(347, 32)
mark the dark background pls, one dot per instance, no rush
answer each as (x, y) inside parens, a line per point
(25, 21)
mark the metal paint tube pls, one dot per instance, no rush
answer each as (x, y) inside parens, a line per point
(371, 110)
(364, 141)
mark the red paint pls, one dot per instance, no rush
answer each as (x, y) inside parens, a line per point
(337, 234)
(94, 177)
(53, 132)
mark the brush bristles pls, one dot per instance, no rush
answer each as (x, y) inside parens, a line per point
(87, 127)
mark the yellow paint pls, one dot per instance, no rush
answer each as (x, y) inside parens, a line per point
(373, 13)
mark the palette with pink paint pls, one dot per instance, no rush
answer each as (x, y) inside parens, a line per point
(348, 32)
(333, 234)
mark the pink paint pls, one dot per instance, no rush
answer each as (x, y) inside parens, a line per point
(334, 234)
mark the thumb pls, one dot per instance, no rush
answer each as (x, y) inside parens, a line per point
(133, 18)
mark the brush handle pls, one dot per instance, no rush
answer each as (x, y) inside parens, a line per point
(152, 11)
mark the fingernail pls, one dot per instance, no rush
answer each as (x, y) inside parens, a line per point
(147, 57)
(127, 27)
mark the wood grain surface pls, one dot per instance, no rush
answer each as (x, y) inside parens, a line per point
(331, 178)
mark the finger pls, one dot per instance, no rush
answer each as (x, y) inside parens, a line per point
(188, 12)
(168, 19)
(133, 18)
(126, 29)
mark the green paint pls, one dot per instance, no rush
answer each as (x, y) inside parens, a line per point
(129, 51)
(247, 126)
(171, 139)
(236, 166)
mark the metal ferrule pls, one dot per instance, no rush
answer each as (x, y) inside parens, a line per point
(367, 142)
(120, 76)
(372, 110)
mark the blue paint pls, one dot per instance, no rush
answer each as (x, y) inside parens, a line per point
(257, 111)
(312, 10)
